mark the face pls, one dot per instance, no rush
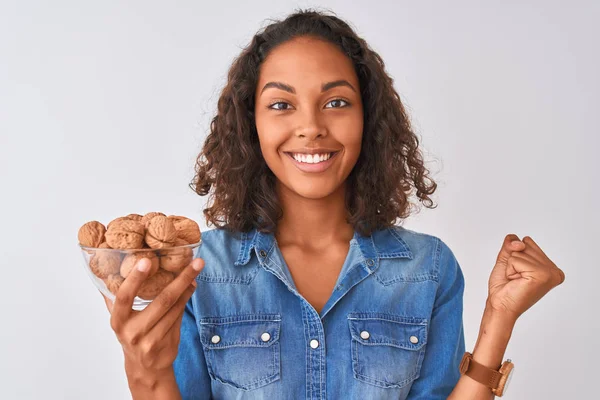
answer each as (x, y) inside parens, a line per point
(308, 99)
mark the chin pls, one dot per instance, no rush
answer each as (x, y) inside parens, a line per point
(313, 190)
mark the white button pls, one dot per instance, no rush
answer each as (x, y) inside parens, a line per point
(215, 339)
(414, 339)
(314, 343)
(265, 337)
(365, 335)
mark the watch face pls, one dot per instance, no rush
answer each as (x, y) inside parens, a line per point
(508, 378)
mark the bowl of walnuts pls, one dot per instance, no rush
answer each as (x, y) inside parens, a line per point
(110, 253)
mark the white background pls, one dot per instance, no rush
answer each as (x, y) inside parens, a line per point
(104, 106)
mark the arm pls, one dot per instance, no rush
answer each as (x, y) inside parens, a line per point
(143, 388)
(445, 340)
(188, 372)
(494, 334)
(523, 274)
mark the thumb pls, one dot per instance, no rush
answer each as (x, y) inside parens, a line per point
(508, 247)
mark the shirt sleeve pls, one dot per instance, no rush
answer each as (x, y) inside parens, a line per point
(445, 340)
(189, 365)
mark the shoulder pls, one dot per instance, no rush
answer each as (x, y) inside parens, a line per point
(220, 250)
(424, 249)
(218, 237)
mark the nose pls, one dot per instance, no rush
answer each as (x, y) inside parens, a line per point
(310, 126)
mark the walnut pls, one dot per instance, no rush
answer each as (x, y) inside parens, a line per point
(117, 220)
(135, 217)
(114, 282)
(161, 232)
(176, 259)
(91, 234)
(125, 234)
(105, 262)
(153, 285)
(162, 239)
(146, 218)
(131, 259)
(187, 229)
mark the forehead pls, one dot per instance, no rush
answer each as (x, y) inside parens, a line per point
(304, 61)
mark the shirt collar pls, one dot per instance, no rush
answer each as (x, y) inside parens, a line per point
(385, 243)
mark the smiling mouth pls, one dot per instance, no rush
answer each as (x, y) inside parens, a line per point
(308, 164)
(304, 159)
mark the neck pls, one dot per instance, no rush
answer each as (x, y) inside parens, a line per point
(313, 223)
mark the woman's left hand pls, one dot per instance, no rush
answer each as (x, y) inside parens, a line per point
(523, 274)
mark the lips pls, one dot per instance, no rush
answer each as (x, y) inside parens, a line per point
(318, 167)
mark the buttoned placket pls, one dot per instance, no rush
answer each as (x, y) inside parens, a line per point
(265, 246)
(313, 328)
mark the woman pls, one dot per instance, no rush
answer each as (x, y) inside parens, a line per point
(308, 289)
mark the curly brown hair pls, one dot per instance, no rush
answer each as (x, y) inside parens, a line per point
(243, 187)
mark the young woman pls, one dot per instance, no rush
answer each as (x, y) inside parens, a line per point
(308, 288)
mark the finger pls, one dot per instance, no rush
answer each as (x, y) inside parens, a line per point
(534, 249)
(522, 265)
(173, 316)
(170, 294)
(507, 248)
(533, 253)
(122, 307)
(525, 256)
(512, 272)
(544, 259)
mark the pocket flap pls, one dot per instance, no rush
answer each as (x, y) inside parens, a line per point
(375, 329)
(256, 330)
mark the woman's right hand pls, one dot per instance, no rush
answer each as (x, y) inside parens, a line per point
(150, 338)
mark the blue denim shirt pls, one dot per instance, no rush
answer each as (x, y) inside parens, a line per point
(392, 328)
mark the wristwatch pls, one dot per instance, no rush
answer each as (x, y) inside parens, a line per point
(496, 379)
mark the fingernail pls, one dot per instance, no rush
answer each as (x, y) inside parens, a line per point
(515, 242)
(143, 265)
(194, 283)
(196, 265)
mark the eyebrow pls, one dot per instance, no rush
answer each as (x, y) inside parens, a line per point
(325, 87)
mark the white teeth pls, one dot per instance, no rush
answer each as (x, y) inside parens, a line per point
(310, 158)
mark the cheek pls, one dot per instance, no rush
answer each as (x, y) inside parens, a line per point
(271, 134)
(350, 130)
(352, 140)
(270, 143)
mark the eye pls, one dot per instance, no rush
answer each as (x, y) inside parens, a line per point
(278, 109)
(338, 100)
(272, 106)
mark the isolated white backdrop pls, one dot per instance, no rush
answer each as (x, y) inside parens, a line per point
(104, 107)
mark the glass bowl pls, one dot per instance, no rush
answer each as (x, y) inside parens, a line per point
(108, 268)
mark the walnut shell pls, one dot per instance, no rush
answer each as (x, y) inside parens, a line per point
(135, 217)
(131, 259)
(117, 220)
(187, 229)
(153, 285)
(125, 234)
(91, 234)
(105, 262)
(175, 260)
(161, 232)
(114, 282)
(146, 218)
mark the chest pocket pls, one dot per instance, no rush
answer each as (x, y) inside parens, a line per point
(387, 350)
(242, 350)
